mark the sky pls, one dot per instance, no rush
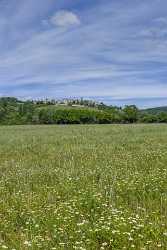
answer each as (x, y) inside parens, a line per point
(113, 51)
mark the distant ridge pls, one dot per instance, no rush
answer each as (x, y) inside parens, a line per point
(155, 110)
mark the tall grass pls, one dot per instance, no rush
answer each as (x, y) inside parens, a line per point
(83, 187)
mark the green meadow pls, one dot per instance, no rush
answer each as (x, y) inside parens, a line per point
(83, 187)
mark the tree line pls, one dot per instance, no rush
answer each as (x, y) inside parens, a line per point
(15, 112)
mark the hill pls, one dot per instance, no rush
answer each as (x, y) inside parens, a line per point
(155, 110)
(74, 111)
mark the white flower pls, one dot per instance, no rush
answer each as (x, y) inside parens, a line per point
(4, 247)
(27, 243)
(104, 244)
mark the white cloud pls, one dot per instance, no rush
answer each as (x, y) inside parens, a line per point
(65, 19)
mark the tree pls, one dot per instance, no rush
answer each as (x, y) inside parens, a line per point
(148, 118)
(162, 117)
(130, 113)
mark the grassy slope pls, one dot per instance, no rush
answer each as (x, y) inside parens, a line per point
(65, 107)
(83, 187)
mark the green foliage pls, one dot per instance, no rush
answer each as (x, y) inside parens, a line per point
(73, 116)
(148, 118)
(162, 117)
(14, 111)
(130, 113)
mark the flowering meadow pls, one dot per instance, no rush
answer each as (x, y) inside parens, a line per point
(83, 187)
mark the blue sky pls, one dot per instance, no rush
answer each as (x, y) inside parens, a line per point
(109, 50)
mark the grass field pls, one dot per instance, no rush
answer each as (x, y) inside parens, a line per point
(83, 187)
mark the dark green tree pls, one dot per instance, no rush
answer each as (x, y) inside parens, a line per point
(130, 113)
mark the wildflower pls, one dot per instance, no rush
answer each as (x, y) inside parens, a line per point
(4, 247)
(104, 244)
(27, 243)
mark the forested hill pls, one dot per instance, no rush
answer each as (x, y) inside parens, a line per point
(73, 111)
(156, 110)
